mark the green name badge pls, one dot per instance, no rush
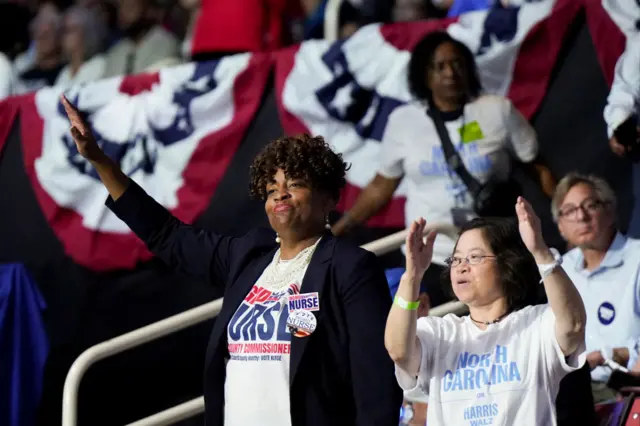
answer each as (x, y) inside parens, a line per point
(470, 132)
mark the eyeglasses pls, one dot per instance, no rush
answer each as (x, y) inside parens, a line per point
(588, 206)
(472, 259)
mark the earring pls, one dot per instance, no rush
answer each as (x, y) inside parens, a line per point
(277, 238)
(327, 225)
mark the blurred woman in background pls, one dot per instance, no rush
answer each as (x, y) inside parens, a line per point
(83, 35)
(47, 62)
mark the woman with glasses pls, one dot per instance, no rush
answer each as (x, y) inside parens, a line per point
(487, 132)
(502, 364)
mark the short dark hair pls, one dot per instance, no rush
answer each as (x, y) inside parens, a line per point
(302, 157)
(422, 58)
(517, 269)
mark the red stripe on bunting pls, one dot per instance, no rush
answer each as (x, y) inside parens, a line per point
(405, 36)
(539, 55)
(102, 251)
(135, 84)
(608, 40)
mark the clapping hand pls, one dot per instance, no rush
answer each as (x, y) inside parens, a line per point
(531, 231)
(419, 249)
(81, 133)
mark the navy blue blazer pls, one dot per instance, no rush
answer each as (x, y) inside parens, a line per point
(339, 375)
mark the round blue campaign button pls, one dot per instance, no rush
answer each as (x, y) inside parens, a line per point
(606, 313)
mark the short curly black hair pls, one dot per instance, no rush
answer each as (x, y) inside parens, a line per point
(422, 58)
(516, 266)
(302, 157)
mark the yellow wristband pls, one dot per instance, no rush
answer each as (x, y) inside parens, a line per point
(407, 306)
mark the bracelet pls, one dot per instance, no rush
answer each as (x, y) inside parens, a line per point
(546, 270)
(407, 306)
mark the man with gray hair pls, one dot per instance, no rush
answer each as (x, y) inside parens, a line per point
(605, 267)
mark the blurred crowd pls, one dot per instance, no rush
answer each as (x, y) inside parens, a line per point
(67, 42)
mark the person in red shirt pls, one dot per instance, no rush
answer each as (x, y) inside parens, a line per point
(226, 27)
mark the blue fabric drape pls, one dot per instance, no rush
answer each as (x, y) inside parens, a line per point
(463, 6)
(23, 346)
(393, 278)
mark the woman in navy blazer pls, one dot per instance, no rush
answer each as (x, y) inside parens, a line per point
(300, 337)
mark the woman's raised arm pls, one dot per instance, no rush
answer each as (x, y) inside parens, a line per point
(109, 172)
(564, 299)
(400, 337)
(185, 249)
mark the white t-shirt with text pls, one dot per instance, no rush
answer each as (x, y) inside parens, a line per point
(507, 374)
(494, 133)
(259, 343)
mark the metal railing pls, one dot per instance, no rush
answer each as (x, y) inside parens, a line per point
(332, 20)
(191, 317)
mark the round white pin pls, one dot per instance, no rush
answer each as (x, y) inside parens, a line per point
(301, 323)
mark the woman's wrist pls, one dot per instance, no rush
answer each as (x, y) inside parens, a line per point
(412, 277)
(543, 256)
(407, 305)
(100, 158)
(409, 282)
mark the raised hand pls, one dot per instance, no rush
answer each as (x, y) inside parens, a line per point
(419, 249)
(530, 228)
(81, 133)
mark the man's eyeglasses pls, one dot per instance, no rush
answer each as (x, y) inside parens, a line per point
(588, 206)
(472, 259)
